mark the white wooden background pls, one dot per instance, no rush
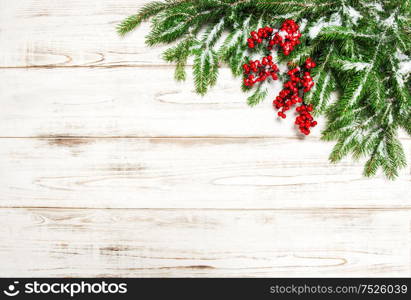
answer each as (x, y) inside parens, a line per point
(108, 167)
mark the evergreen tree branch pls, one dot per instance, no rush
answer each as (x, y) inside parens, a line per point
(362, 50)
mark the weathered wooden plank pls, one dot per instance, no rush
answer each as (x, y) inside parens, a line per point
(130, 102)
(346, 243)
(127, 102)
(188, 173)
(71, 33)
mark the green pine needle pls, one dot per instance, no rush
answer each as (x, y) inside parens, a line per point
(362, 50)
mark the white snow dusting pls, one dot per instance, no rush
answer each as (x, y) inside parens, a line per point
(335, 20)
(357, 66)
(216, 29)
(282, 33)
(376, 6)
(401, 56)
(389, 22)
(303, 24)
(357, 92)
(353, 14)
(315, 30)
(325, 84)
(405, 67)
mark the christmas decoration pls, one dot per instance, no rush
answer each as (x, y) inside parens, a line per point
(300, 82)
(264, 69)
(359, 49)
(300, 78)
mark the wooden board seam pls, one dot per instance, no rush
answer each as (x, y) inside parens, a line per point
(52, 137)
(321, 210)
(160, 66)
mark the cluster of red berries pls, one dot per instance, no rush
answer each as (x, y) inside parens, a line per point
(287, 37)
(310, 64)
(305, 80)
(257, 37)
(305, 120)
(286, 99)
(262, 70)
(300, 78)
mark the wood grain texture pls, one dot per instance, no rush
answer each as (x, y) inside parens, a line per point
(132, 102)
(187, 173)
(127, 102)
(47, 242)
(71, 33)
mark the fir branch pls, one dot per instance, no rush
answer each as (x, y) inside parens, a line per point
(258, 95)
(146, 12)
(362, 50)
(320, 93)
(334, 33)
